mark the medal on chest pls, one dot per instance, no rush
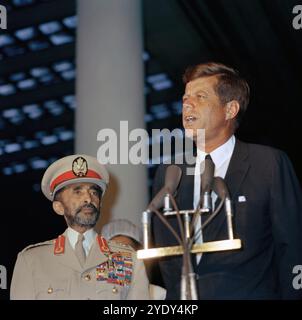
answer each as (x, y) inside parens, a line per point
(117, 269)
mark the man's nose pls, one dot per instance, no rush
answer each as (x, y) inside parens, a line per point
(87, 197)
(186, 106)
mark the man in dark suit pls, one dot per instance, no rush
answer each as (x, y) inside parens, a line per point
(264, 190)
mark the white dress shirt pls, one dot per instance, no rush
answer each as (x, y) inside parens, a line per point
(89, 237)
(221, 158)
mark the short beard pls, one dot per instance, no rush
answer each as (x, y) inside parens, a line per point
(88, 221)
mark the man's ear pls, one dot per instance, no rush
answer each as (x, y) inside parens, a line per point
(58, 208)
(232, 109)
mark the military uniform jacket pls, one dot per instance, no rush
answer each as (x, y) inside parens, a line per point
(46, 271)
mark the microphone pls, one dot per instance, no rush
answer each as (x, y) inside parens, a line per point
(220, 187)
(172, 179)
(206, 183)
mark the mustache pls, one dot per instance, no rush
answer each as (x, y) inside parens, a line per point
(87, 206)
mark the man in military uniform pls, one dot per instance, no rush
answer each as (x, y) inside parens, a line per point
(79, 264)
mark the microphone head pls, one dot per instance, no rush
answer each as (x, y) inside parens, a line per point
(208, 174)
(220, 187)
(158, 201)
(172, 178)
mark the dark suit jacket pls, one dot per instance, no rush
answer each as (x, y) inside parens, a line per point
(269, 223)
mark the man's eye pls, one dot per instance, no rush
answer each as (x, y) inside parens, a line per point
(77, 191)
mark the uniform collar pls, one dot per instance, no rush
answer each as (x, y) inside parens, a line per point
(89, 236)
(67, 255)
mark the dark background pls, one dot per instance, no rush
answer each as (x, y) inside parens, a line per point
(37, 69)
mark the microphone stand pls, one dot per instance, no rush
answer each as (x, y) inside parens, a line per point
(186, 237)
(188, 288)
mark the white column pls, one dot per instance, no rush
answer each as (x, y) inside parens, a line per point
(110, 89)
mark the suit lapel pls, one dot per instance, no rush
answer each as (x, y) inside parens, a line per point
(235, 175)
(238, 168)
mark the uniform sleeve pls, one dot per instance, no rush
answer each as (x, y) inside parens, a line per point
(139, 289)
(22, 283)
(286, 213)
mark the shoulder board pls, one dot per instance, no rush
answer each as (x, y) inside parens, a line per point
(40, 244)
(118, 245)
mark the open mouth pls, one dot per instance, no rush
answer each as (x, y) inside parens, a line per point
(190, 119)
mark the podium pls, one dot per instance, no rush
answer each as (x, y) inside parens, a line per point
(212, 246)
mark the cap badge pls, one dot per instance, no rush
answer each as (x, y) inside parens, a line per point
(79, 167)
